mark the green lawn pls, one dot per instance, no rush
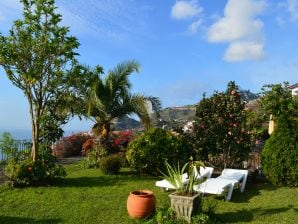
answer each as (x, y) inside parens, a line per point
(87, 196)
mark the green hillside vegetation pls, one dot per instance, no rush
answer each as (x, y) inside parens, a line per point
(172, 117)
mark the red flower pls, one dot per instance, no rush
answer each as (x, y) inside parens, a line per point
(29, 168)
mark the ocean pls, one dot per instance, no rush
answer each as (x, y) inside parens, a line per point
(22, 134)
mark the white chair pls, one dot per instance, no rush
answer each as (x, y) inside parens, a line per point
(204, 172)
(224, 183)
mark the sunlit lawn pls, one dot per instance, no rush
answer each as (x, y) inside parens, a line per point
(87, 196)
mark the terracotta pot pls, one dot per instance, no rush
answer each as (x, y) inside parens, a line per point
(141, 203)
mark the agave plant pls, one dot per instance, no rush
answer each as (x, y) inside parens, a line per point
(177, 177)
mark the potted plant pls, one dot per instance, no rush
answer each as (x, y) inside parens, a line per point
(184, 201)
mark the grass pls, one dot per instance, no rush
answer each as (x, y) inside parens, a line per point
(87, 196)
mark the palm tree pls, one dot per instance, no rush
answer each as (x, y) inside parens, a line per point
(109, 97)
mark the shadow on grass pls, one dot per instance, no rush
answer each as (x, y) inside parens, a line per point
(251, 190)
(20, 220)
(245, 215)
(101, 181)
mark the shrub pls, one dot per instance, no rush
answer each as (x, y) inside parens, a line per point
(148, 152)
(71, 145)
(119, 140)
(95, 154)
(7, 145)
(110, 164)
(167, 216)
(280, 154)
(25, 172)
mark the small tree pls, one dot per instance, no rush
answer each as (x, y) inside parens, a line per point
(220, 128)
(279, 157)
(35, 56)
(110, 97)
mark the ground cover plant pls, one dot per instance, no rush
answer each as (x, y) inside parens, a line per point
(87, 196)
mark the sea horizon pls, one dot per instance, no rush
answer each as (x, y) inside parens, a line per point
(25, 134)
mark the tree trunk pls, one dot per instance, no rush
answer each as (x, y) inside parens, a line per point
(35, 140)
(105, 133)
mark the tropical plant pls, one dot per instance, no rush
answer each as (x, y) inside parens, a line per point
(110, 98)
(35, 56)
(174, 176)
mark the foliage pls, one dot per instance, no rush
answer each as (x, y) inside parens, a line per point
(7, 145)
(277, 100)
(167, 216)
(22, 172)
(110, 98)
(148, 152)
(110, 164)
(35, 56)
(71, 145)
(174, 176)
(279, 157)
(220, 132)
(119, 140)
(280, 154)
(94, 156)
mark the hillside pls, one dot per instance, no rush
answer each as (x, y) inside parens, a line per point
(173, 117)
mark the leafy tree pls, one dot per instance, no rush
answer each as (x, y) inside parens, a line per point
(35, 56)
(280, 153)
(7, 144)
(220, 128)
(110, 98)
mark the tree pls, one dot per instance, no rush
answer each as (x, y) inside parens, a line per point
(220, 128)
(110, 98)
(35, 56)
(280, 154)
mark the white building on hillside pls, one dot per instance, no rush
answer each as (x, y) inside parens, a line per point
(294, 89)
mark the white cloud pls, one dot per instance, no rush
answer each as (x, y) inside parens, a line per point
(241, 29)
(185, 10)
(115, 20)
(292, 7)
(243, 51)
(194, 27)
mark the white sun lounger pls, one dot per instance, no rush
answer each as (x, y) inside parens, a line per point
(204, 172)
(224, 183)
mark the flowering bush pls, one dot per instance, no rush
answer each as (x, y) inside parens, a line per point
(71, 145)
(24, 172)
(220, 132)
(120, 139)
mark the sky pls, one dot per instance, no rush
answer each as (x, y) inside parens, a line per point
(185, 48)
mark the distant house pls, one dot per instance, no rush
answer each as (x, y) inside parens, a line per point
(294, 89)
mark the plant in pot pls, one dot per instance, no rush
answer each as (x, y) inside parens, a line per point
(184, 201)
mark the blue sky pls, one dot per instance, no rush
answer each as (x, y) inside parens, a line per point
(185, 48)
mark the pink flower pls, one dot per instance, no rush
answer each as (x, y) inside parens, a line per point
(229, 133)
